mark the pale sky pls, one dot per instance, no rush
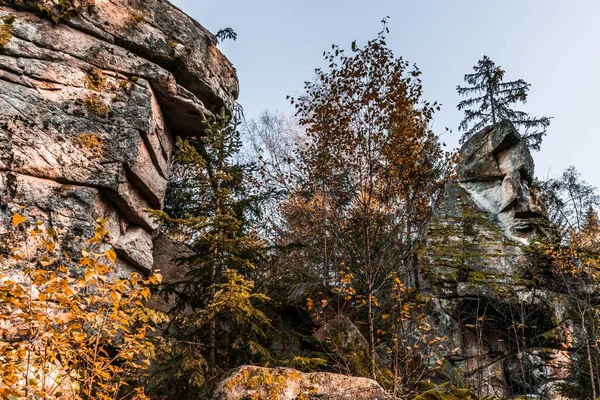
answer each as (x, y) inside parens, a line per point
(552, 44)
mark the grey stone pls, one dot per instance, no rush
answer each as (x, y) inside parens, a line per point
(289, 384)
(169, 257)
(497, 170)
(135, 246)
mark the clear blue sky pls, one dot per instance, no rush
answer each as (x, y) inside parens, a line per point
(552, 44)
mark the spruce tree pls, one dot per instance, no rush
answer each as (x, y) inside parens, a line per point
(216, 324)
(494, 101)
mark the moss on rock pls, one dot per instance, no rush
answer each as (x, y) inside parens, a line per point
(94, 79)
(250, 382)
(6, 30)
(95, 105)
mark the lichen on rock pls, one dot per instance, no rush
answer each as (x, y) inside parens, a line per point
(57, 11)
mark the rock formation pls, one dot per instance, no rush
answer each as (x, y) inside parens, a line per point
(289, 384)
(505, 331)
(92, 94)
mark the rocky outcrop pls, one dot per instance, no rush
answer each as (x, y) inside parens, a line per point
(505, 329)
(92, 95)
(289, 384)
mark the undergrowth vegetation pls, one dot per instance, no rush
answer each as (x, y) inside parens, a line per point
(72, 328)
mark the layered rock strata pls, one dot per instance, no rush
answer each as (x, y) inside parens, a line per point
(92, 95)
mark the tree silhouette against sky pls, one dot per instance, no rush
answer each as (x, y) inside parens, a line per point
(493, 101)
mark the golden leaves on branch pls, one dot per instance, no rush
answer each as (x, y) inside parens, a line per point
(72, 329)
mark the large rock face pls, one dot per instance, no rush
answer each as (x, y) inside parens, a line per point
(89, 107)
(503, 327)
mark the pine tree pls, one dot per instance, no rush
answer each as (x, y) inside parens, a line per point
(217, 323)
(495, 99)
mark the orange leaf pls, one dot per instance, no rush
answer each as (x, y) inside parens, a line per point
(18, 219)
(112, 256)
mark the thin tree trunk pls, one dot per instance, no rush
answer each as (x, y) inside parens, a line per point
(370, 278)
(589, 355)
(591, 368)
(325, 259)
(490, 94)
(368, 249)
(216, 267)
(212, 339)
(371, 317)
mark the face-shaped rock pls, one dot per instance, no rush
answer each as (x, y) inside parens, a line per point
(497, 169)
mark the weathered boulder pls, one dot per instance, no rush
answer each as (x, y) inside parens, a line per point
(92, 94)
(505, 330)
(344, 341)
(290, 384)
(341, 333)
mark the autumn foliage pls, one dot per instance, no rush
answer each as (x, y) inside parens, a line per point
(373, 169)
(71, 329)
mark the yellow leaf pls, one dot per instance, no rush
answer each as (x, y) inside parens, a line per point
(65, 317)
(89, 275)
(46, 262)
(18, 219)
(116, 296)
(112, 256)
(78, 337)
(155, 279)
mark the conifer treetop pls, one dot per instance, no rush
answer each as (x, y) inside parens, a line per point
(490, 100)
